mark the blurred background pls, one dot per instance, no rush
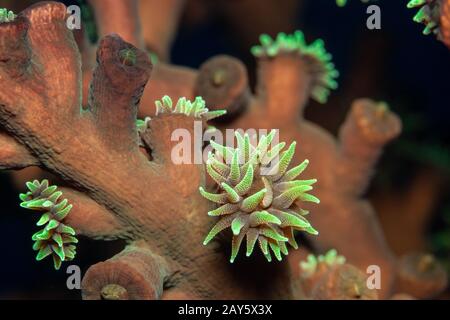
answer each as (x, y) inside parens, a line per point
(396, 64)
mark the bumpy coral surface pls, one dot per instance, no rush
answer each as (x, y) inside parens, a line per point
(257, 195)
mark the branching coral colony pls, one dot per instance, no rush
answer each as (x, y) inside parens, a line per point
(144, 198)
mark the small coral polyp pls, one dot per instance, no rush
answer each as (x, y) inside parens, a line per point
(257, 199)
(196, 108)
(331, 258)
(6, 15)
(56, 238)
(429, 14)
(343, 3)
(319, 60)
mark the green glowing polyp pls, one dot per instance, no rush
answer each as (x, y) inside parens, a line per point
(6, 15)
(266, 215)
(315, 54)
(55, 239)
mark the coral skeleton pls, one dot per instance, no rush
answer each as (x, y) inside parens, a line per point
(267, 216)
(56, 238)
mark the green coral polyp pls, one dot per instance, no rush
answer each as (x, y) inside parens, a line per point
(260, 206)
(342, 3)
(6, 15)
(319, 60)
(428, 14)
(196, 108)
(331, 258)
(56, 238)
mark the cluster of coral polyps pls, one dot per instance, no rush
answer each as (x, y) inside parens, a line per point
(123, 184)
(435, 15)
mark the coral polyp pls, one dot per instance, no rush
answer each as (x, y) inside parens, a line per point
(429, 14)
(315, 54)
(6, 15)
(329, 259)
(56, 238)
(259, 197)
(342, 3)
(196, 108)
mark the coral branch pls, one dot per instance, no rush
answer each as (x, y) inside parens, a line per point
(13, 155)
(278, 75)
(223, 83)
(288, 64)
(368, 127)
(47, 33)
(90, 219)
(134, 274)
(159, 23)
(116, 90)
(421, 276)
(14, 51)
(118, 16)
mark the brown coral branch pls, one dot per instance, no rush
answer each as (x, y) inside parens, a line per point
(90, 219)
(118, 16)
(115, 16)
(14, 48)
(223, 82)
(421, 276)
(159, 23)
(134, 274)
(283, 80)
(112, 104)
(13, 155)
(368, 127)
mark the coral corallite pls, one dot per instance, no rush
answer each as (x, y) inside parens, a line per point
(319, 60)
(56, 238)
(259, 198)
